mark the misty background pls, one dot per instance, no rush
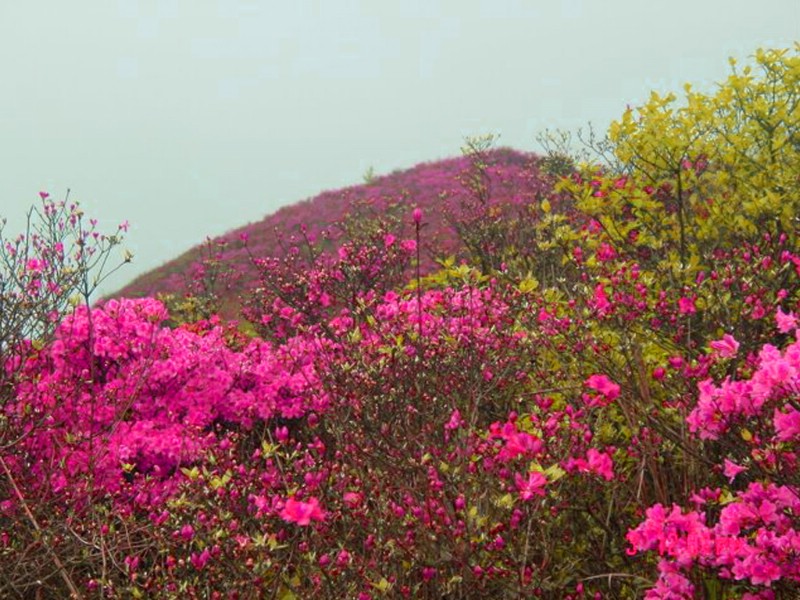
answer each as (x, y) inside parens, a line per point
(190, 118)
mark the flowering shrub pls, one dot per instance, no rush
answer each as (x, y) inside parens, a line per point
(118, 392)
(44, 273)
(753, 537)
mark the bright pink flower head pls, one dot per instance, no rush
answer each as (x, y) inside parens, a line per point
(787, 424)
(302, 513)
(417, 215)
(600, 301)
(606, 253)
(456, 420)
(282, 434)
(786, 321)
(352, 499)
(727, 347)
(35, 265)
(187, 532)
(343, 558)
(600, 463)
(532, 486)
(731, 470)
(686, 306)
(408, 246)
(44, 195)
(603, 385)
(199, 561)
(518, 443)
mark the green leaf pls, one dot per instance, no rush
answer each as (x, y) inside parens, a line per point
(506, 501)
(286, 593)
(554, 473)
(383, 585)
(192, 473)
(528, 284)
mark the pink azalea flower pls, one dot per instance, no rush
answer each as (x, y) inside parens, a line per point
(408, 246)
(786, 321)
(686, 306)
(727, 347)
(787, 424)
(35, 265)
(606, 253)
(532, 486)
(456, 420)
(282, 434)
(187, 532)
(731, 470)
(601, 464)
(518, 443)
(600, 301)
(302, 513)
(200, 560)
(352, 499)
(603, 385)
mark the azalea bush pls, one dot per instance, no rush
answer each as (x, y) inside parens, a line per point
(46, 272)
(745, 529)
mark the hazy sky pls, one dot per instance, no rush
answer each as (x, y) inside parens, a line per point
(190, 118)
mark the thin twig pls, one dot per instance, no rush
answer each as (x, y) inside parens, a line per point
(56, 561)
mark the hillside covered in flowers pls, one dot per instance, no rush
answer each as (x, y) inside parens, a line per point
(497, 376)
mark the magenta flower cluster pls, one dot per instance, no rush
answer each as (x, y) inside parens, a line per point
(754, 534)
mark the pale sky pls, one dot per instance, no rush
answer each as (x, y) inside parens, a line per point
(190, 118)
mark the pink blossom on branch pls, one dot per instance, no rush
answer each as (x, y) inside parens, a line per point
(786, 321)
(600, 463)
(731, 470)
(532, 486)
(603, 385)
(686, 306)
(727, 347)
(787, 424)
(302, 513)
(600, 301)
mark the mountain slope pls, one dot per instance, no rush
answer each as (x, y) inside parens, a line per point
(447, 191)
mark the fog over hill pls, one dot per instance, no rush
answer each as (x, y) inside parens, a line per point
(188, 119)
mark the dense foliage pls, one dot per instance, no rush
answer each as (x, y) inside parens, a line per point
(596, 395)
